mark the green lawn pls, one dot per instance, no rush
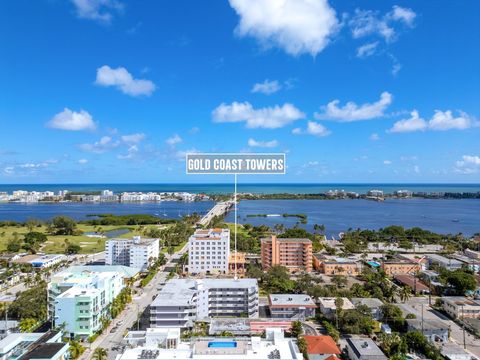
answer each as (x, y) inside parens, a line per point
(56, 244)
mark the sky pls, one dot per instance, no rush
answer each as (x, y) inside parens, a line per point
(118, 91)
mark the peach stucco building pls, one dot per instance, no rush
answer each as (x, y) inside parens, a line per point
(294, 254)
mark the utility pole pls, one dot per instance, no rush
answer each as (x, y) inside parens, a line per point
(422, 321)
(463, 327)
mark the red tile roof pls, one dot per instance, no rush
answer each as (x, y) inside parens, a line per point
(321, 344)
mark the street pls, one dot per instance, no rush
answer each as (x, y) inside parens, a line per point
(129, 316)
(456, 331)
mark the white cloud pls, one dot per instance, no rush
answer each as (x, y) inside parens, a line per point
(82, 161)
(403, 14)
(72, 121)
(367, 50)
(174, 140)
(131, 152)
(353, 112)
(99, 10)
(313, 128)
(133, 138)
(367, 22)
(266, 144)
(267, 87)
(416, 169)
(296, 26)
(441, 121)
(471, 159)
(444, 120)
(194, 130)
(387, 162)
(374, 137)
(104, 144)
(413, 123)
(470, 164)
(268, 117)
(124, 81)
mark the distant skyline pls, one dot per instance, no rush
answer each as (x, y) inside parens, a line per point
(117, 91)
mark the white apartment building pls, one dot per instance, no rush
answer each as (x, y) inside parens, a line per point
(183, 301)
(168, 345)
(78, 298)
(135, 252)
(209, 251)
(458, 307)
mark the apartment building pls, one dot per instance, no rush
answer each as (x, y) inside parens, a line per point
(209, 251)
(458, 307)
(182, 301)
(393, 268)
(79, 298)
(442, 261)
(294, 254)
(273, 346)
(34, 346)
(291, 306)
(136, 252)
(336, 265)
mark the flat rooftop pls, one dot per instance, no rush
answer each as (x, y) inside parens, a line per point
(286, 300)
(365, 347)
(180, 291)
(288, 240)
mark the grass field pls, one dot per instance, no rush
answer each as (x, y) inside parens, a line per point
(56, 244)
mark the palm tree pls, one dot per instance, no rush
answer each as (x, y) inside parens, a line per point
(76, 349)
(100, 354)
(405, 294)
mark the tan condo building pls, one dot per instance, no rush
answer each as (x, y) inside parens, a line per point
(294, 254)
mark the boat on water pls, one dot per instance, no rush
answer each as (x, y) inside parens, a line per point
(273, 215)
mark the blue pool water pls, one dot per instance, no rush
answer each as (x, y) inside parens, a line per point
(222, 344)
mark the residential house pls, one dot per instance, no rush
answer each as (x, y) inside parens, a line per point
(321, 347)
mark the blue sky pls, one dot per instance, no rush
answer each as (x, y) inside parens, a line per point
(118, 90)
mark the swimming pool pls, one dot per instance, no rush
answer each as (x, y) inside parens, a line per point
(222, 344)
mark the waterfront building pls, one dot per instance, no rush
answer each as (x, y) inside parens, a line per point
(361, 348)
(447, 263)
(376, 194)
(135, 252)
(398, 267)
(291, 306)
(459, 307)
(209, 251)
(34, 346)
(79, 298)
(321, 347)
(329, 308)
(182, 301)
(294, 254)
(273, 346)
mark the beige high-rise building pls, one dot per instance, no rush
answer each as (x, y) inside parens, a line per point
(294, 254)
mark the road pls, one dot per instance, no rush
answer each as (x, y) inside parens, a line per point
(128, 318)
(456, 331)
